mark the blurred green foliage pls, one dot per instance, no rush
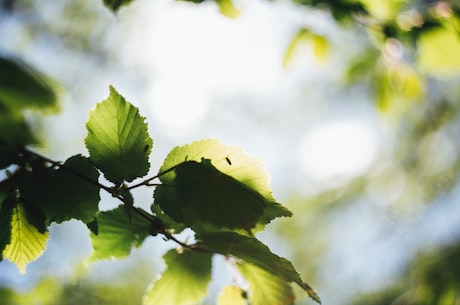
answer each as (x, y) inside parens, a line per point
(432, 278)
(410, 64)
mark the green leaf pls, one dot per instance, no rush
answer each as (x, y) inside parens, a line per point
(208, 184)
(265, 287)
(184, 282)
(232, 295)
(14, 133)
(6, 213)
(21, 87)
(173, 226)
(227, 8)
(63, 194)
(26, 243)
(254, 252)
(117, 234)
(118, 141)
(115, 5)
(203, 195)
(438, 51)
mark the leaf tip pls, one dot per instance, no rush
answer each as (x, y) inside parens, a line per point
(311, 293)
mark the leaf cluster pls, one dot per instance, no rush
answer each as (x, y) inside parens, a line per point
(219, 192)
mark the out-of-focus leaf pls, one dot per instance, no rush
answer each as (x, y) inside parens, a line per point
(305, 37)
(21, 87)
(26, 243)
(227, 8)
(383, 10)
(397, 89)
(117, 234)
(118, 141)
(320, 47)
(14, 133)
(115, 5)
(302, 36)
(266, 288)
(254, 252)
(438, 51)
(184, 282)
(233, 295)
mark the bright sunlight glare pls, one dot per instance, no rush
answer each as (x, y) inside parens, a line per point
(178, 109)
(341, 149)
(194, 54)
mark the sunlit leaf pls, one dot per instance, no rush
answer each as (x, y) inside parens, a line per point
(232, 295)
(115, 5)
(117, 234)
(217, 185)
(438, 51)
(383, 9)
(184, 282)
(63, 194)
(21, 87)
(118, 139)
(302, 36)
(254, 252)
(266, 288)
(320, 47)
(202, 194)
(227, 8)
(26, 243)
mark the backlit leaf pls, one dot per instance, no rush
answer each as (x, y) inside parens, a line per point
(227, 8)
(266, 288)
(118, 141)
(201, 194)
(26, 243)
(254, 252)
(232, 295)
(222, 180)
(184, 282)
(301, 37)
(438, 51)
(21, 87)
(117, 234)
(63, 194)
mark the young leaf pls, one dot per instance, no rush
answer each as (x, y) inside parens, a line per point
(118, 141)
(232, 165)
(254, 252)
(232, 295)
(62, 194)
(184, 282)
(26, 243)
(266, 288)
(117, 234)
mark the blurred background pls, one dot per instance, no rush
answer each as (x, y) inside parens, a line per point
(352, 105)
